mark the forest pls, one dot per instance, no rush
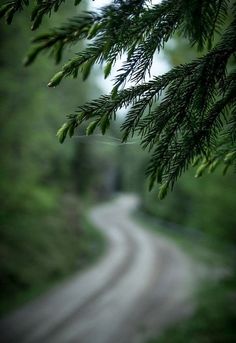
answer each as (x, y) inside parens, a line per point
(47, 188)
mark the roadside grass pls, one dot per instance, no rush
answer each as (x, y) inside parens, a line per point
(199, 246)
(214, 320)
(40, 248)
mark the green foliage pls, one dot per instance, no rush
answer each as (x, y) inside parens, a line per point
(214, 320)
(40, 9)
(206, 204)
(43, 242)
(177, 207)
(209, 205)
(43, 234)
(195, 116)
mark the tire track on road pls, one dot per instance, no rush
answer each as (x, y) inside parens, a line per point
(143, 283)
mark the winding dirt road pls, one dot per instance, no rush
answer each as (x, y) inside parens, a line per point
(142, 284)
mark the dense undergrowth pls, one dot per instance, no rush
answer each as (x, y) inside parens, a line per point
(42, 243)
(215, 316)
(214, 320)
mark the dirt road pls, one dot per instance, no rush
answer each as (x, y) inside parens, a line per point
(143, 283)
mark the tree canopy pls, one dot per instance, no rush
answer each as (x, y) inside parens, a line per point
(184, 117)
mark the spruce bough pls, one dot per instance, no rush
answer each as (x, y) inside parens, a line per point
(184, 117)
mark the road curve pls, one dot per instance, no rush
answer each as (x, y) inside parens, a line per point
(142, 284)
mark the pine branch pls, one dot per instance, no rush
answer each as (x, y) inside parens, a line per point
(186, 116)
(11, 7)
(202, 19)
(56, 40)
(41, 8)
(186, 122)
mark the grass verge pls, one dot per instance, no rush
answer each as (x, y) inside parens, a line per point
(215, 317)
(214, 320)
(199, 246)
(41, 248)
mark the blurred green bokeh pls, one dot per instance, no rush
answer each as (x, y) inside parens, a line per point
(45, 187)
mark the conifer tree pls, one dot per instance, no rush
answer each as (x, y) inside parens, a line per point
(184, 117)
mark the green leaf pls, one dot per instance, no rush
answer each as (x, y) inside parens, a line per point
(9, 15)
(91, 127)
(93, 30)
(37, 21)
(213, 166)
(226, 167)
(30, 58)
(59, 51)
(86, 69)
(159, 176)
(107, 69)
(125, 136)
(72, 128)
(201, 170)
(56, 79)
(104, 124)
(62, 132)
(34, 13)
(114, 92)
(196, 161)
(163, 191)
(4, 8)
(152, 181)
(230, 157)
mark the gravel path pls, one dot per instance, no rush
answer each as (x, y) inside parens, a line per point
(142, 284)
